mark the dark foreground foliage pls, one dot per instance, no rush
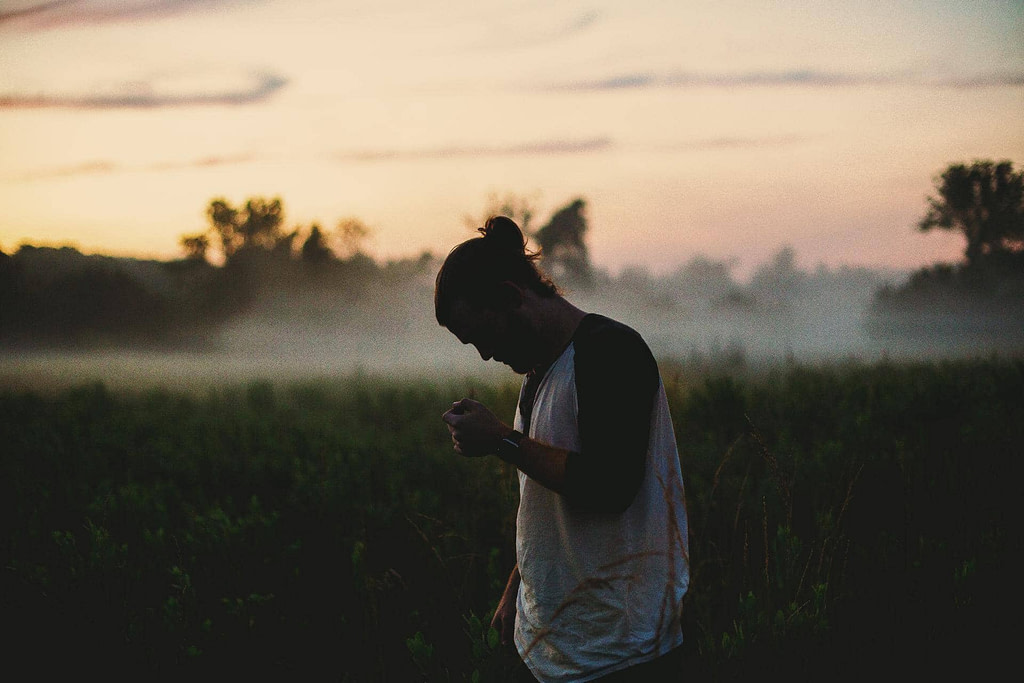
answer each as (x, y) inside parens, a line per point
(847, 523)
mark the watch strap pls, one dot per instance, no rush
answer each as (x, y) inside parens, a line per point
(508, 447)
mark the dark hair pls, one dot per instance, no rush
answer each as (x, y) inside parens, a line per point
(474, 269)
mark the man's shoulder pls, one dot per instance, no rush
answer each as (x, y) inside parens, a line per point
(601, 336)
(601, 329)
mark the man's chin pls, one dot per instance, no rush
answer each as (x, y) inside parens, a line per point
(516, 367)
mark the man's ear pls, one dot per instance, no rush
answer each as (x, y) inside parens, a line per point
(510, 295)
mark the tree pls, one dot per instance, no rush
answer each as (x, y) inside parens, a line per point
(351, 235)
(779, 278)
(985, 201)
(195, 246)
(256, 226)
(563, 245)
(519, 209)
(284, 244)
(315, 249)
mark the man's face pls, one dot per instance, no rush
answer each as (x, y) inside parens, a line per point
(501, 335)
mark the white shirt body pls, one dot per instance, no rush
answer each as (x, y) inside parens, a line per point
(600, 591)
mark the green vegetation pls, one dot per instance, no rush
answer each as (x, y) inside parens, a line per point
(843, 519)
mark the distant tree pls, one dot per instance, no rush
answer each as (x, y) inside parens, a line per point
(195, 246)
(703, 277)
(223, 221)
(315, 249)
(984, 201)
(284, 244)
(518, 208)
(778, 278)
(351, 235)
(256, 226)
(563, 244)
(9, 298)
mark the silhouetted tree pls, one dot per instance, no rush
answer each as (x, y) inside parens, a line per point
(563, 244)
(223, 221)
(315, 249)
(984, 201)
(195, 246)
(257, 225)
(8, 294)
(518, 208)
(284, 245)
(351, 235)
(981, 297)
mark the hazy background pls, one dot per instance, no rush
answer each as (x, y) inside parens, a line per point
(753, 172)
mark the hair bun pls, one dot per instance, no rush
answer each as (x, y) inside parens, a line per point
(504, 234)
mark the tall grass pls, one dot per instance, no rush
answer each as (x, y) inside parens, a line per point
(841, 518)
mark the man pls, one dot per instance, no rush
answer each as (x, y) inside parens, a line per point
(601, 530)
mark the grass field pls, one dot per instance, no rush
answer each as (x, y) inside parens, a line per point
(847, 521)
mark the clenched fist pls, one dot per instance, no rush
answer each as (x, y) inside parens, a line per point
(476, 431)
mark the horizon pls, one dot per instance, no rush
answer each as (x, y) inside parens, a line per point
(119, 122)
(740, 274)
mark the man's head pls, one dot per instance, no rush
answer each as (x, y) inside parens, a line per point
(482, 290)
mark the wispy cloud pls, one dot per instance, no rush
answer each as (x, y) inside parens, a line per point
(807, 78)
(581, 22)
(549, 147)
(256, 87)
(59, 13)
(109, 167)
(31, 10)
(88, 168)
(731, 143)
(994, 80)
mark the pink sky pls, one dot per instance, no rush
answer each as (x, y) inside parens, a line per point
(712, 128)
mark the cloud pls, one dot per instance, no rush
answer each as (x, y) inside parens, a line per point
(582, 22)
(32, 10)
(60, 13)
(551, 147)
(256, 87)
(559, 147)
(205, 162)
(524, 149)
(88, 168)
(108, 167)
(994, 80)
(727, 143)
(807, 78)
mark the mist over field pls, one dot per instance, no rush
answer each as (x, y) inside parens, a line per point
(700, 315)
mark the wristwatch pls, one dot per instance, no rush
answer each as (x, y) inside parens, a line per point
(508, 447)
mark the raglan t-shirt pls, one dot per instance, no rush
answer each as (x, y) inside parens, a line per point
(604, 566)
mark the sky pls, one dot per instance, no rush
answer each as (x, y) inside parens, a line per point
(723, 129)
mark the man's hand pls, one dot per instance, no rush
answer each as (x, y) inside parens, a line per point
(475, 430)
(504, 621)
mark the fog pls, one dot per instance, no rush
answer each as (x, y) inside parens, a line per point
(698, 317)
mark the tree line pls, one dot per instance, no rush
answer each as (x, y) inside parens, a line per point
(246, 258)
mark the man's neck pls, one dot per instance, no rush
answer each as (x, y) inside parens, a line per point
(555, 321)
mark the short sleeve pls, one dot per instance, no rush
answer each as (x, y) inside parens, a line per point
(616, 381)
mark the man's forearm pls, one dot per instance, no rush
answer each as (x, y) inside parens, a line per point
(542, 463)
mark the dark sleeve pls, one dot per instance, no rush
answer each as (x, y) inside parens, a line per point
(616, 380)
